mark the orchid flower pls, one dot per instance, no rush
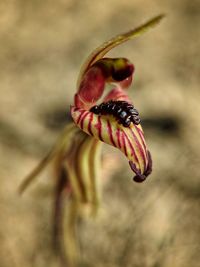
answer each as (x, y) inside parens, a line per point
(113, 120)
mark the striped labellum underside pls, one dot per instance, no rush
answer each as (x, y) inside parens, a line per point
(130, 140)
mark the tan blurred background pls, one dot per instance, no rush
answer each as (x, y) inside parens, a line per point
(42, 45)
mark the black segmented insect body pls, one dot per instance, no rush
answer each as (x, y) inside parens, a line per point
(124, 112)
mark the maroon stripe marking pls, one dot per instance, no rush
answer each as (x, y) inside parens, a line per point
(118, 138)
(83, 117)
(139, 146)
(90, 124)
(143, 142)
(110, 133)
(132, 148)
(79, 118)
(124, 144)
(98, 126)
(141, 135)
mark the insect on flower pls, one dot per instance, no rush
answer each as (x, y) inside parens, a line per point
(115, 121)
(124, 112)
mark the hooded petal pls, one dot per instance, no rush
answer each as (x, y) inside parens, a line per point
(100, 51)
(130, 140)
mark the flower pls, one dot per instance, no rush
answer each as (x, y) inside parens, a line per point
(115, 121)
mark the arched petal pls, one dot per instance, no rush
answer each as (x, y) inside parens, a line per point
(100, 51)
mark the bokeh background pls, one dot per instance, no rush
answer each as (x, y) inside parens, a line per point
(42, 45)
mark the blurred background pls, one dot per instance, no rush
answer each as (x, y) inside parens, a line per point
(42, 46)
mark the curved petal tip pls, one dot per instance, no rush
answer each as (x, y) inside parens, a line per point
(139, 177)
